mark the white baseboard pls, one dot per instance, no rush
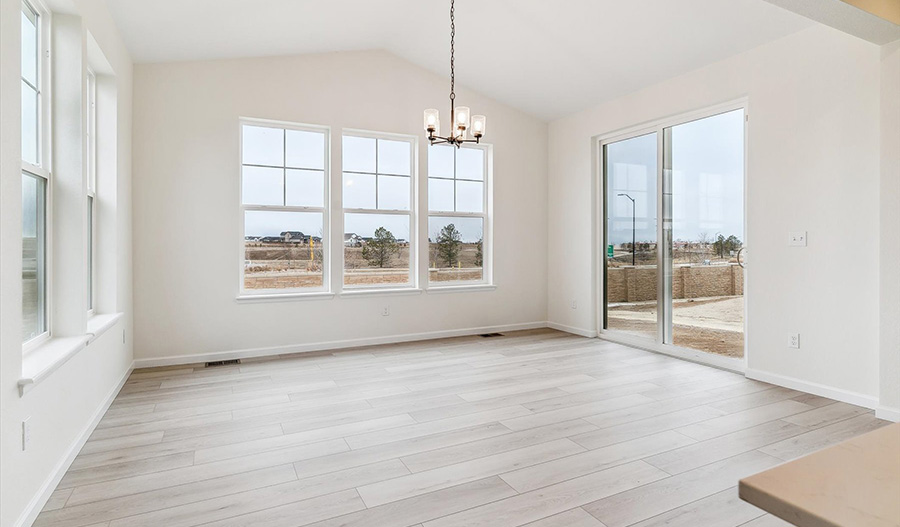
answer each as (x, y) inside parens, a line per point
(888, 414)
(859, 399)
(40, 499)
(330, 345)
(589, 333)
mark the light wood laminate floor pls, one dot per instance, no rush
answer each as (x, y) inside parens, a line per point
(535, 428)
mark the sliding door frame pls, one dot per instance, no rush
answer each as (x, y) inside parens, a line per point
(664, 316)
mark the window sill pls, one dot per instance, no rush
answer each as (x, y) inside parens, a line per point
(43, 360)
(99, 324)
(352, 293)
(49, 356)
(461, 288)
(283, 297)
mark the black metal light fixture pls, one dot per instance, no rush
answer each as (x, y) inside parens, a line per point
(460, 115)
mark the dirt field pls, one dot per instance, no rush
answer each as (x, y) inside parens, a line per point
(455, 274)
(280, 266)
(289, 279)
(281, 279)
(714, 325)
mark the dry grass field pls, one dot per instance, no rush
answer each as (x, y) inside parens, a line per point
(285, 266)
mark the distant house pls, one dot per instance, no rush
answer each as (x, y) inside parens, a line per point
(272, 239)
(352, 240)
(294, 237)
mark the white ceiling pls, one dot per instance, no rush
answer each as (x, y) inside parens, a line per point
(546, 57)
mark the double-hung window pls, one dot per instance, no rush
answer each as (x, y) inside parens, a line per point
(379, 210)
(35, 179)
(91, 157)
(458, 221)
(284, 204)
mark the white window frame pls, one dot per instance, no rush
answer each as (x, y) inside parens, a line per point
(91, 199)
(485, 214)
(244, 293)
(411, 213)
(42, 169)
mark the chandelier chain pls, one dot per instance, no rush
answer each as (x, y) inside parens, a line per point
(459, 123)
(452, 51)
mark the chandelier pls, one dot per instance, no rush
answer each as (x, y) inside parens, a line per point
(459, 115)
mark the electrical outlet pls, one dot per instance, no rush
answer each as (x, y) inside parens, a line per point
(794, 340)
(26, 433)
(797, 239)
(574, 304)
(386, 311)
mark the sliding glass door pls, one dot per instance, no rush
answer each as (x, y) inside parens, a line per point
(692, 173)
(631, 247)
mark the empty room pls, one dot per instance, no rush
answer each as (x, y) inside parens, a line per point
(448, 263)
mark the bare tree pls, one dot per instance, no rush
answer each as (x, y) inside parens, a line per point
(704, 239)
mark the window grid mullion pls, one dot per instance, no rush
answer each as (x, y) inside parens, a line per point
(455, 205)
(455, 214)
(388, 212)
(376, 174)
(281, 208)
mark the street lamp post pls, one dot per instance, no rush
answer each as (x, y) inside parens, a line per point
(633, 215)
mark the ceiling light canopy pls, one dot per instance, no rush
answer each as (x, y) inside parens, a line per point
(461, 119)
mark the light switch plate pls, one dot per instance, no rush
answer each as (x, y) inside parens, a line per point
(797, 239)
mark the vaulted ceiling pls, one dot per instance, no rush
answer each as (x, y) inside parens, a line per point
(547, 58)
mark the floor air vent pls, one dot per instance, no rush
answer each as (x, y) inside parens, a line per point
(223, 363)
(489, 335)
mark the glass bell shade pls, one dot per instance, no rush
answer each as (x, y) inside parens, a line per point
(478, 123)
(461, 120)
(432, 120)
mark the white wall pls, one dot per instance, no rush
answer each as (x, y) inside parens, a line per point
(186, 231)
(890, 230)
(813, 164)
(61, 407)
